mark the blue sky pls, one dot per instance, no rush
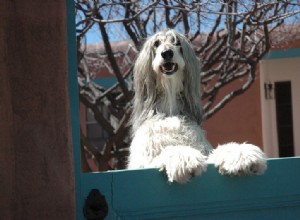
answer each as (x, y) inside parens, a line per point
(117, 32)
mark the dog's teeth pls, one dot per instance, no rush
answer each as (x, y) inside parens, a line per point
(169, 67)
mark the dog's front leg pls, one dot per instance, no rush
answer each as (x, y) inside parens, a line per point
(238, 159)
(180, 163)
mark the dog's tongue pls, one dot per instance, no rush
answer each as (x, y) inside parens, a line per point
(168, 67)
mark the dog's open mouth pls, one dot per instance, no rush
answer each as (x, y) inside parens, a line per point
(169, 68)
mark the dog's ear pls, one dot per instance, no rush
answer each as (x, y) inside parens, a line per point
(191, 94)
(144, 76)
(144, 81)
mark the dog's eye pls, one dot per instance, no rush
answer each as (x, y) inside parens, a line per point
(156, 44)
(177, 43)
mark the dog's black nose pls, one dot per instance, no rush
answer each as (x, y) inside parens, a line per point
(167, 54)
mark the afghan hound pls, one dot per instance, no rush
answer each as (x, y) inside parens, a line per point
(166, 118)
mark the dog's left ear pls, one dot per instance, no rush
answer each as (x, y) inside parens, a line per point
(191, 79)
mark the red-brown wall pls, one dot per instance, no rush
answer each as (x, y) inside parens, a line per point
(239, 120)
(36, 159)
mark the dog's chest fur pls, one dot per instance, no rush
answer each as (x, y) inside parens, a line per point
(173, 131)
(169, 90)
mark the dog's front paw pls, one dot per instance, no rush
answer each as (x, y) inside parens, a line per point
(181, 163)
(239, 159)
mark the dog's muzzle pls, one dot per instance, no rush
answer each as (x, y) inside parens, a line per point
(169, 68)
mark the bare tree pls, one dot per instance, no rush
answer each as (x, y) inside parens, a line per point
(229, 38)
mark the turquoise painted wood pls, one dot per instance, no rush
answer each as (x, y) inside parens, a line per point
(145, 194)
(281, 54)
(74, 101)
(106, 82)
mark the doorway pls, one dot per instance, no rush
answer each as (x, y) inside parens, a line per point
(284, 118)
(280, 84)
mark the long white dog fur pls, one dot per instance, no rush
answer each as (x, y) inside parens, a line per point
(166, 118)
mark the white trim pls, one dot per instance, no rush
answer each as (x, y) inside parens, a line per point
(276, 71)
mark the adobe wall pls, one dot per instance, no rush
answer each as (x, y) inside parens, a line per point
(239, 120)
(36, 159)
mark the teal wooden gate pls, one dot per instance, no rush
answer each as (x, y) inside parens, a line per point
(145, 194)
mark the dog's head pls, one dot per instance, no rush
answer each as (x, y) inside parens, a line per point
(166, 60)
(168, 53)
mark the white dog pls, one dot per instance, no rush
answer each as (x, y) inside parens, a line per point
(167, 115)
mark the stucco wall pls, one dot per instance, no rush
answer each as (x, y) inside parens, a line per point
(239, 120)
(36, 162)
